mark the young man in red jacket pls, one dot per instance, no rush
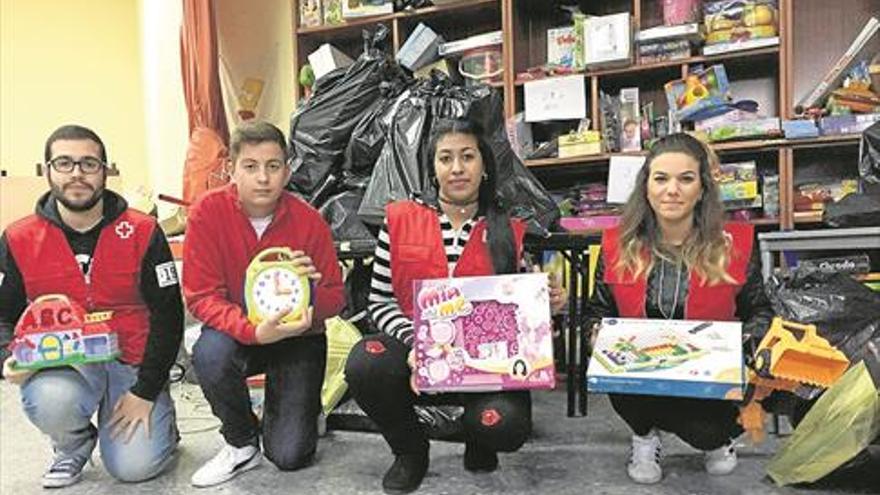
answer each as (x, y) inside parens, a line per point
(85, 243)
(226, 228)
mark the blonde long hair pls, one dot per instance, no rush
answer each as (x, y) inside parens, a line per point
(706, 250)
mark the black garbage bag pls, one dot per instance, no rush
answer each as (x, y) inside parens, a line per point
(844, 311)
(397, 174)
(855, 210)
(368, 136)
(869, 154)
(340, 213)
(321, 128)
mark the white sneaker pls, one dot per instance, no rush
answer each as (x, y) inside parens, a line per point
(64, 471)
(227, 464)
(644, 463)
(721, 461)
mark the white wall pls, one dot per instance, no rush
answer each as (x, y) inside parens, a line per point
(256, 41)
(167, 134)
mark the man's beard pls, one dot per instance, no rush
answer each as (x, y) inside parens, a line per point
(97, 194)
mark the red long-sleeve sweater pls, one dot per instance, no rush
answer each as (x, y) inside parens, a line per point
(221, 242)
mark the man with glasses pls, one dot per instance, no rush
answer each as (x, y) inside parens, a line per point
(226, 228)
(85, 243)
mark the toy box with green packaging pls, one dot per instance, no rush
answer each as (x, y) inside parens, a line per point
(682, 358)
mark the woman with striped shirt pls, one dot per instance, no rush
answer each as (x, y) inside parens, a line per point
(464, 231)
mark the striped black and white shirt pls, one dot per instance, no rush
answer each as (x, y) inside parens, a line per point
(383, 307)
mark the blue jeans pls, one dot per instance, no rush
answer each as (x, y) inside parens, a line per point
(294, 370)
(60, 402)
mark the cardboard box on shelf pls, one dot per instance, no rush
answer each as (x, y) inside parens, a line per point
(607, 40)
(477, 41)
(700, 95)
(354, 9)
(579, 144)
(732, 20)
(558, 98)
(738, 181)
(332, 11)
(310, 13)
(326, 59)
(834, 125)
(560, 47)
(420, 48)
(630, 133)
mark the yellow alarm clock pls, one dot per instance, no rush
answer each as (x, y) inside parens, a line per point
(272, 284)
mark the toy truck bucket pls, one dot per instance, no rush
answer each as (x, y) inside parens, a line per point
(793, 351)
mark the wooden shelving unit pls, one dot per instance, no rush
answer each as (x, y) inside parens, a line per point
(720, 148)
(681, 64)
(809, 44)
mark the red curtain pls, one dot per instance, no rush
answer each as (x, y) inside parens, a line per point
(209, 134)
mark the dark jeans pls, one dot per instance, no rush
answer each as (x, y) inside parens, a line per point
(294, 370)
(378, 378)
(705, 424)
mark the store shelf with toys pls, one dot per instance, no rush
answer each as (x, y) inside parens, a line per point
(727, 70)
(763, 81)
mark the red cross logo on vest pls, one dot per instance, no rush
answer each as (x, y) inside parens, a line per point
(124, 229)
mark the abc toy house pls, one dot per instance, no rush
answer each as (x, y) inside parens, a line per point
(55, 331)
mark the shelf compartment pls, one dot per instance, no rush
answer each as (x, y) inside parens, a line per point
(665, 65)
(733, 146)
(417, 14)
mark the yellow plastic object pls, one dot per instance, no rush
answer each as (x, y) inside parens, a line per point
(272, 283)
(844, 421)
(341, 337)
(793, 351)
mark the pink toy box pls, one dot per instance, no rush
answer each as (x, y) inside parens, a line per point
(483, 333)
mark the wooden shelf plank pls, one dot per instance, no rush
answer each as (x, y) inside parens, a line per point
(822, 141)
(634, 69)
(345, 26)
(753, 145)
(462, 5)
(575, 160)
(406, 14)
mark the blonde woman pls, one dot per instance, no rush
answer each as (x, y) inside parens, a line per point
(674, 257)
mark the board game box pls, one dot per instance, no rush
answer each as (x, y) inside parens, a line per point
(483, 333)
(682, 358)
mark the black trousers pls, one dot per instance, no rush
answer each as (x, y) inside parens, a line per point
(704, 424)
(378, 378)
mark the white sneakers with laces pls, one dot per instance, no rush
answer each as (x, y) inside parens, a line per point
(721, 461)
(228, 463)
(64, 471)
(644, 463)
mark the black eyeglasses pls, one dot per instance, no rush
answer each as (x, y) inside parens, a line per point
(65, 164)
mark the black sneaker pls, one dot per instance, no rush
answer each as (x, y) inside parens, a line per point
(479, 460)
(406, 474)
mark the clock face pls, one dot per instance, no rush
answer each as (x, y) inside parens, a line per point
(275, 289)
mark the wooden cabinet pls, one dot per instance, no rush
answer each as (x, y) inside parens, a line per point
(813, 33)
